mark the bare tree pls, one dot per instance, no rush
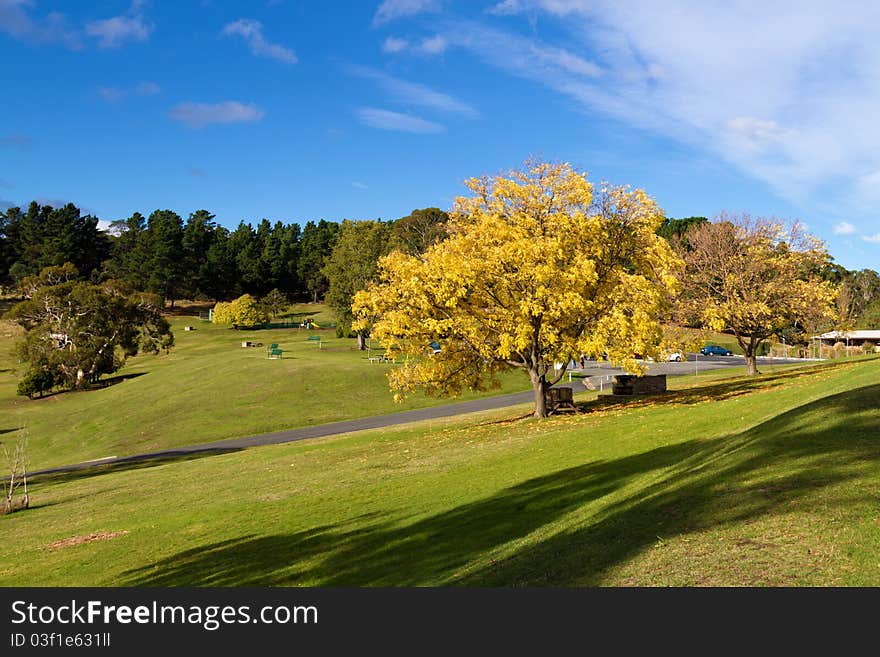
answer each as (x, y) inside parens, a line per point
(15, 486)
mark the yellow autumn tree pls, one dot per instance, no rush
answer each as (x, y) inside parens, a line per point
(537, 269)
(755, 278)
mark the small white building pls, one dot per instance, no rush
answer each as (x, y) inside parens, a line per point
(850, 338)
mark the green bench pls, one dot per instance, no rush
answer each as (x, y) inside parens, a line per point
(274, 352)
(314, 338)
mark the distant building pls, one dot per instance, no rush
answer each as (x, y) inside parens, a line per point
(850, 338)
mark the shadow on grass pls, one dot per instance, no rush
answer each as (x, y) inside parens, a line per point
(300, 315)
(188, 309)
(705, 392)
(699, 484)
(124, 464)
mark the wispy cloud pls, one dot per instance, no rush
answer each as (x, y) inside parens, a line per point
(435, 45)
(394, 45)
(795, 109)
(147, 89)
(875, 238)
(61, 202)
(359, 185)
(116, 31)
(111, 94)
(198, 115)
(396, 121)
(5, 205)
(391, 10)
(15, 140)
(252, 32)
(16, 20)
(413, 93)
(845, 228)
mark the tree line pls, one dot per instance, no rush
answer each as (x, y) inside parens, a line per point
(163, 254)
(753, 279)
(197, 258)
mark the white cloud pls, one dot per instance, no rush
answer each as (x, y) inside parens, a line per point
(115, 31)
(787, 96)
(505, 8)
(359, 185)
(391, 10)
(413, 93)
(433, 46)
(396, 121)
(875, 238)
(844, 228)
(198, 115)
(111, 94)
(16, 21)
(393, 45)
(148, 88)
(252, 32)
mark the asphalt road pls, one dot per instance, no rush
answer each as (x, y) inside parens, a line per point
(599, 376)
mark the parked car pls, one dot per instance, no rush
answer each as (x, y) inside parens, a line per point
(715, 350)
(675, 357)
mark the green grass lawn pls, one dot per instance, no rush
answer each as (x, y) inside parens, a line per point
(207, 388)
(765, 481)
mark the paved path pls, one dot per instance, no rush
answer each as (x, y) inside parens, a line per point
(597, 374)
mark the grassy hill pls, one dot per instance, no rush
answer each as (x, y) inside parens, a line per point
(207, 388)
(766, 481)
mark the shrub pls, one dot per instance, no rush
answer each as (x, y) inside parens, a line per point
(242, 312)
(36, 381)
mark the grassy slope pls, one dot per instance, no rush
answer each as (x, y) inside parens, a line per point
(770, 481)
(207, 388)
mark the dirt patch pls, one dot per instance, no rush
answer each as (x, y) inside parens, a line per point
(79, 540)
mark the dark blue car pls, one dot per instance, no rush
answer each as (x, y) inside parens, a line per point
(715, 350)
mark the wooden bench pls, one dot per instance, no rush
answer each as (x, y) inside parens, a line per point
(560, 399)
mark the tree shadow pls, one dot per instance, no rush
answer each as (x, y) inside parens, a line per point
(299, 315)
(125, 464)
(100, 384)
(709, 392)
(700, 484)
(113, 380)
(188, 309)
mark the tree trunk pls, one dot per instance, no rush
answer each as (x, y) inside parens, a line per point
(751, 365)
(362, 345)
(751, 350)
(540, 385)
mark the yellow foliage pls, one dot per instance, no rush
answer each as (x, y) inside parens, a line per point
(539, 268)
(243, 311)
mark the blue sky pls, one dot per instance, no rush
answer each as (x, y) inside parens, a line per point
(298, 110)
